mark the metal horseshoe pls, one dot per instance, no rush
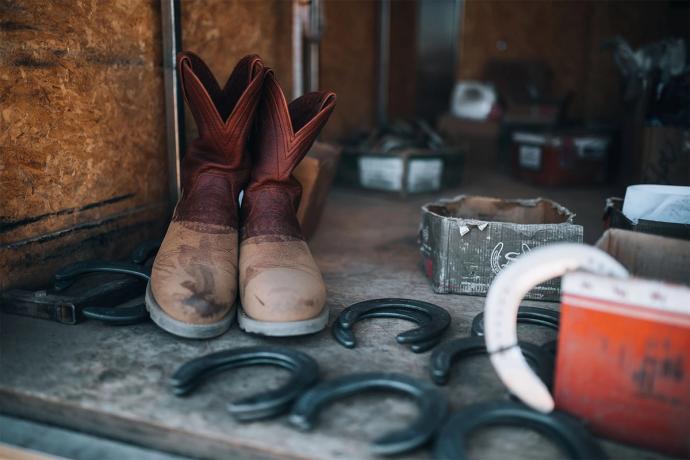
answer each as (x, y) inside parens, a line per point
(566, 432)
(451, 351)
(304, 370)
(550, 347)
(432, 320)
(432, 404)
(526, 315)
(130, 312)
(144, 251)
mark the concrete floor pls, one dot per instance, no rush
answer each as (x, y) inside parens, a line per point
(112, 382)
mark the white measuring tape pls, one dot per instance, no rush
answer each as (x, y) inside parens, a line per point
(504, 297)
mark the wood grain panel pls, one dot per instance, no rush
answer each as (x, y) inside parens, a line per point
(348, 65)
(403, 59)
(81, 132)
(224, 31)
(555, 32)
(568, 35)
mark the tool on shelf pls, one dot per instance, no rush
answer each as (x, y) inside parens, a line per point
(74, 297)
(503, 300)
(432, 320)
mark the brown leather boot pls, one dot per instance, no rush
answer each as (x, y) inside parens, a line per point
(281, 289)
(193, 286)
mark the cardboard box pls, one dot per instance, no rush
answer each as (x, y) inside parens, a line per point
(315, 173)
(649, 256)
(479, 139)
(623, 359)
(406, 171)
(614, 218)
(665, 155)
(467, 240)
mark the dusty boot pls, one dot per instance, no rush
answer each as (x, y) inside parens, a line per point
(281, 289)
(193, 286)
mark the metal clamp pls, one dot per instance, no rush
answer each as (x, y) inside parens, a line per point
(432, 320)
(566, 432)
(304, 370)
(451, 351)
(432, 404)
(526, 315)
(66, 307)
(131, 312)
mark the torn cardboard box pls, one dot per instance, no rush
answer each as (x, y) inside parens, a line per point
(467, 240)
(649, 256)
(614, 218)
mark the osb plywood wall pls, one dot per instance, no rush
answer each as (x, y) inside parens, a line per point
(349, 64)
(83, 171)
(402, 89)
(82, 148)
(223, 31)
(568, 36)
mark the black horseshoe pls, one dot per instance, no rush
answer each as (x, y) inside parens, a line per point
(129, 313)
(550, 347)
(526, 315)
(432, 404)
(304, 370)
(566, 432)
(432, 320)
(144, 251)
(409, 315)
(66, 276)
(451, 351)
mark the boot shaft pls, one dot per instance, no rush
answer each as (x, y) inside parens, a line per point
(285, 133)
(216, 165)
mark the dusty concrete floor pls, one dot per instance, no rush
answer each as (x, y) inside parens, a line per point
(113, 381)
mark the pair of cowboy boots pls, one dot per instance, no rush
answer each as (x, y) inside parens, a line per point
(250, 139)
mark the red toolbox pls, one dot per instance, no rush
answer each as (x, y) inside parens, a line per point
(561, 157)
(623, 361)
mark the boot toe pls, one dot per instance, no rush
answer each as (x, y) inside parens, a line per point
(193, 279)
(283, 295)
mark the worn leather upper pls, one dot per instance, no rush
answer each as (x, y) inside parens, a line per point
(194, 276)
(216, 165)
(284, 133)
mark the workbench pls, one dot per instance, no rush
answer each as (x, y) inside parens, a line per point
(113, 381)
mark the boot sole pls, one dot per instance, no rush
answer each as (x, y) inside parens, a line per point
(182, 329)
(282, 329)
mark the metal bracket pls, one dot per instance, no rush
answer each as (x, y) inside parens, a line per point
(452, 351)
(432, 404)
(133, 311)
(526, 315)
(566, 432)
(304, 370)
(432, 319)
